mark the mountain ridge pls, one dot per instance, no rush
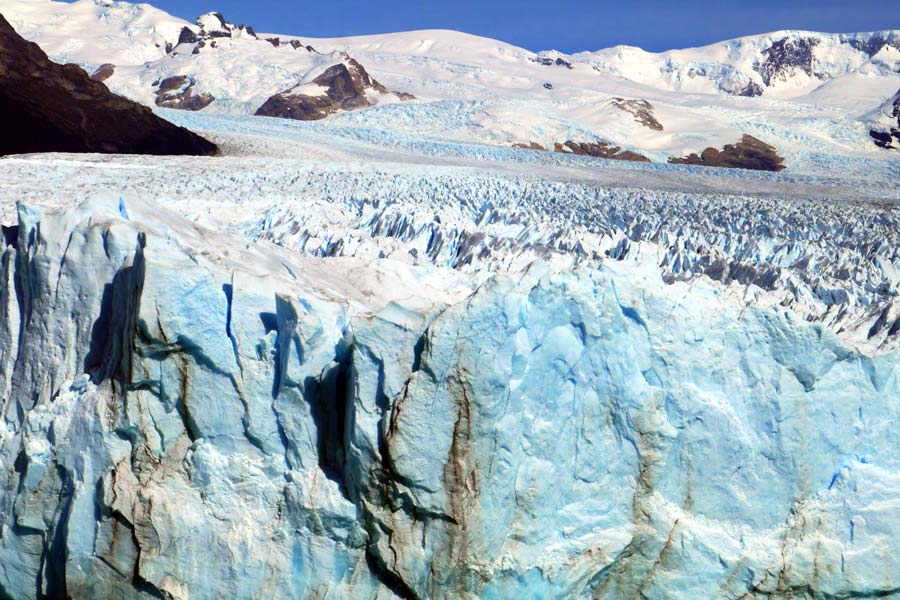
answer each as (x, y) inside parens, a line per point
(475, 89)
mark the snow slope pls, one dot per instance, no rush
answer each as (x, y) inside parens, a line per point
(93, 32)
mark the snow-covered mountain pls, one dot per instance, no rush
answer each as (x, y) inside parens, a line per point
(160, 60)
(782, 64)
(801, 93)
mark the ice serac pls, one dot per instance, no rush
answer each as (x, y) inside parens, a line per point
(185, 416)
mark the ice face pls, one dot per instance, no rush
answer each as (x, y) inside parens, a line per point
(187, 417)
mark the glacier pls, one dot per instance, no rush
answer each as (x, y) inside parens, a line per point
(188, 414)
(390, 355)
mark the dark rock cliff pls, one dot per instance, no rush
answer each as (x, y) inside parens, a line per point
(47, 107)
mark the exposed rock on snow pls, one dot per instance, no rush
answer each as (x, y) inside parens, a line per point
(599, 150)
(782, 63)
(213, 25)
(177, 92)
(46, 107)
(749, 153)
(529, 146)
(345, 86)
(295, 44)
(103, 72)
(641, 110)
(888, 134)
(785, 57)
(551, 59)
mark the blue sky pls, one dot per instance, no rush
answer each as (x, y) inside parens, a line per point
(566, 25)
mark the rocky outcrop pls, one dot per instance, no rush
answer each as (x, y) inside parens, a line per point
(598, 150)
(103, 72)
(749, 153)
(213, 25)
(888, 136)
(889, 140)
(178, 92)
(784, 57)
(751, 90)
(641, 110)
(187, 36)
(749, 66)
(47, 107)
(345, 86)
(210, 27)
(551, 60)
(529, 146)
(295, 44)
(874, 44)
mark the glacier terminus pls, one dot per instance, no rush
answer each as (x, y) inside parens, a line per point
(407, 347)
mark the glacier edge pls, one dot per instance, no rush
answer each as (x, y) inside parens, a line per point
(179, 424)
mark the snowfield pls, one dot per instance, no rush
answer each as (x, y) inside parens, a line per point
(387, 355)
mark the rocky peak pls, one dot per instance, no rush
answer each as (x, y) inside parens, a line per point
(48, 107)
(784, 57)
(551, 59)
(209, 28)
(349, 76)
(214, 25)
(341, 87)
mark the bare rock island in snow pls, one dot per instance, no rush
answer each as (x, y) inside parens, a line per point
(177, 91)
(887, 133)
(749, 153)
(342, 87)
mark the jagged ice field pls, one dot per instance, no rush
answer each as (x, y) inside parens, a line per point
(339, 362)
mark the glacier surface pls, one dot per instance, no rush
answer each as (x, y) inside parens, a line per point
(343, 361)
(190, 415)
